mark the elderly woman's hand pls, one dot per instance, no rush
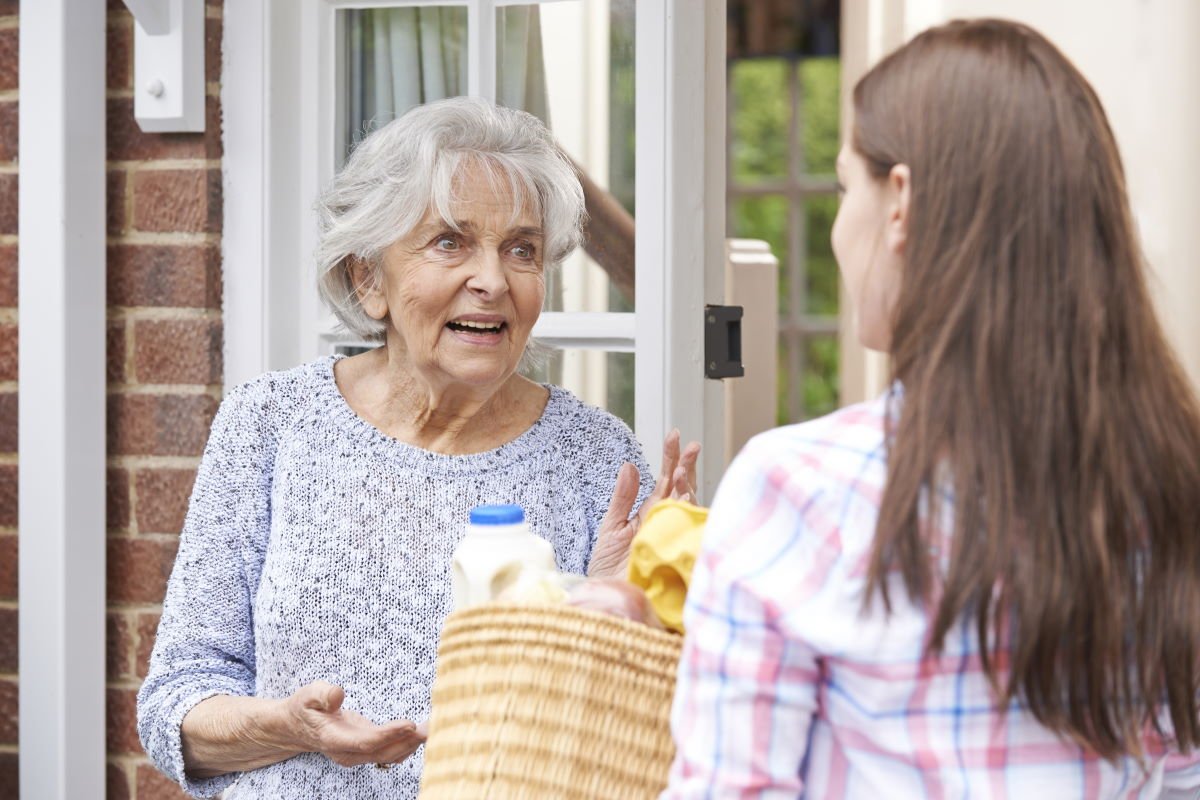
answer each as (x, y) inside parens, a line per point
(677, 479)
(347, 737)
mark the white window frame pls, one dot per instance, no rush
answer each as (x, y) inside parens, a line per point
(279, 100)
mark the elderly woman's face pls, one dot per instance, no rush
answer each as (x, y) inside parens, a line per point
(461, 303)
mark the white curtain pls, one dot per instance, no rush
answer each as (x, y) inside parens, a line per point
(398, 58)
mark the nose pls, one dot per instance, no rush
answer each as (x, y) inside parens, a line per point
(487, 279)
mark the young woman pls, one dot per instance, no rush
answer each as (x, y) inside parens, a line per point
(986, 583)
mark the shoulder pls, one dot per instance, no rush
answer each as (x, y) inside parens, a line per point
(819, 481)
(585, 428)
(271, 400)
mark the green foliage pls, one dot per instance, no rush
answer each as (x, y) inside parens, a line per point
(761, 107)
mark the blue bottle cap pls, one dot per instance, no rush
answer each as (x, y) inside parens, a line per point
(497, 515)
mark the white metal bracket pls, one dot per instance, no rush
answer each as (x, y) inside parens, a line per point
(168, 65)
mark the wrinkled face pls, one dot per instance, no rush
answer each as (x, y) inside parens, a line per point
(461, 303)
(868, 242)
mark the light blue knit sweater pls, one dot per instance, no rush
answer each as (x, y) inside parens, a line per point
(318, 548)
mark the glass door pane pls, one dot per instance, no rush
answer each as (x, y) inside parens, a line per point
(397, 58)
(571, 64)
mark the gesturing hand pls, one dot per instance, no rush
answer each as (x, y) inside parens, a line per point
(348, 738)
(676, 479)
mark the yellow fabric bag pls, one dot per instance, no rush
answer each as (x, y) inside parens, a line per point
(662, 555)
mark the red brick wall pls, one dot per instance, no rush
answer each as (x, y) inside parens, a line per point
(164, 370)
(164, 375)
(8, 398)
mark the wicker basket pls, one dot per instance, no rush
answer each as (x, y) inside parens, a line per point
(550, 701)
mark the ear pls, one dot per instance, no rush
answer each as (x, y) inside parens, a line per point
(369, 290)
(899, 191)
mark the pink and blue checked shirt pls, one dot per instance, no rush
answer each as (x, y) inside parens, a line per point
(786, 690)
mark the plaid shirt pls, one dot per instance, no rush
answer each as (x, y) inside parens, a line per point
(786, 689)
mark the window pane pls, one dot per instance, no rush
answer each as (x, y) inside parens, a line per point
(571, 64)
(820, 98)
(397, 58)
(760, 101)
(820, 376)
(820, 268)
(597, 377)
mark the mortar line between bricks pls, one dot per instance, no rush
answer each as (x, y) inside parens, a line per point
(212, 390)
(149, 536)
(162, 314)
(8, 459)
(152, 462)
(145, 237)
(135, 608)
(8, 748)
(118, 94)
(123, 683)
(8, 168)
(7, 530)
(8, 604)
(8, 315)
(8, 238)
(8, 23)
(166, 163)
(8, 386)
(11, 94)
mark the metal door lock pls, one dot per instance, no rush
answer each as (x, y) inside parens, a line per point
(723, 342)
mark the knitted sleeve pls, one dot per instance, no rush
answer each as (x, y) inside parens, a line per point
(205, 641)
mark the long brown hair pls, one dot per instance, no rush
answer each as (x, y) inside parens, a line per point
(1038, 388)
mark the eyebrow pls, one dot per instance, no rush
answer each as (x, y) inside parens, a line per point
(466, 226)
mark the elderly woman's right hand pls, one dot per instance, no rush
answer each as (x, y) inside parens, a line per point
(348, 738)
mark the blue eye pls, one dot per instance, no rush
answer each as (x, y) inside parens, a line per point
(523, 251)
(448, 243)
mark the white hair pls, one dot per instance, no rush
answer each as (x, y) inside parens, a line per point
(409, 166)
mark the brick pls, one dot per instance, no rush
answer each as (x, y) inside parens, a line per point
(153, 785)
(8, 566)
(127, 142)
(147, 630)
(138, 569)
(114, 351)
(116, 493)
(116, 783)
(8, 203)
(8, 422)
(8, 276)
(159, 425)
(115, 195)
(9, 130)
(8, 495)
(8, 712)
(183, 201)
(10, 783)
(8, 352)
(9, 59)
(180, 276)
(212, 50)
(121, 705)
(8, 640)
(119, 58)
(162, 499)
(118, 646)
(178, 351)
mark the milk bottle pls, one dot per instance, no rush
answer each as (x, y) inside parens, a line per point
(497, 550)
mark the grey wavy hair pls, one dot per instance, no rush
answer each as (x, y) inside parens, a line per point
(409, 166)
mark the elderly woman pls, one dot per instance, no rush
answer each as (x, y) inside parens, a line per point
(296, 649)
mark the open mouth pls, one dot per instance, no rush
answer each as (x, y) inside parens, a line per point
(476, 327)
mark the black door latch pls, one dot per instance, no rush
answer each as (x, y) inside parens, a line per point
(723, 342)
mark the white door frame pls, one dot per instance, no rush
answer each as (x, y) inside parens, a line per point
(62, 399)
